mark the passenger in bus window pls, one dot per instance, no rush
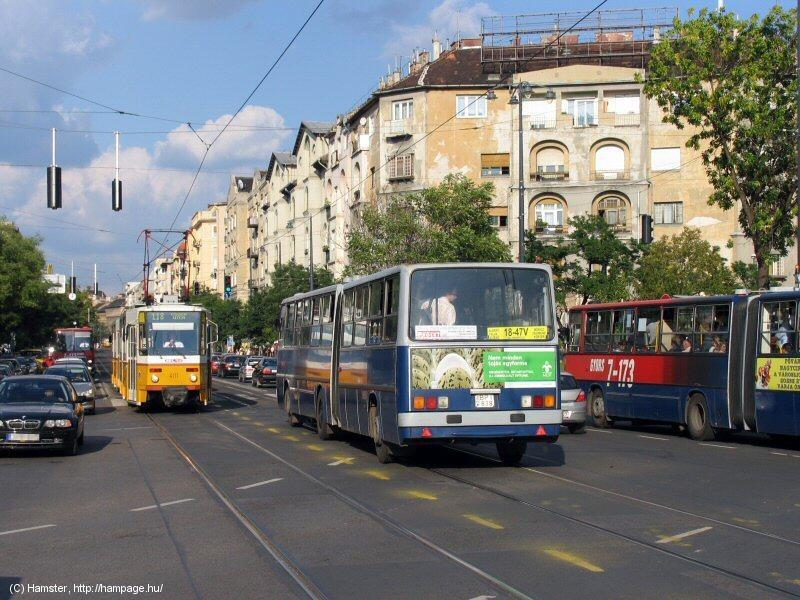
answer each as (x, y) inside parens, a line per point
(786, 349)
(686, 345)
(675, 347)
(442, 310)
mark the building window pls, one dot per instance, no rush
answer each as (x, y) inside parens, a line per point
(494, 165)
(609, 162)
(213, 232)
(668, 213)
(499, 221)
(401, 166)
(471, 107)
(665, 159)
(583, 111)
(549, 214)
(550, 163)
(402, 109)
(613, 210)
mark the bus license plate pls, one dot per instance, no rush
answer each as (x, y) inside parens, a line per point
(484, 401)
(22, 437)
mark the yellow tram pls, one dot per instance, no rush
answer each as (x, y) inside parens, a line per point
(161, 355)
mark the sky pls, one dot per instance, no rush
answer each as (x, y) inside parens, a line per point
(191, 61)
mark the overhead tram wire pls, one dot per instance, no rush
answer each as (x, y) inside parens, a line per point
(241, 106)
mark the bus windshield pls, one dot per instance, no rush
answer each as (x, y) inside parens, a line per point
(74, 341)
(480, 304)
(173, 333)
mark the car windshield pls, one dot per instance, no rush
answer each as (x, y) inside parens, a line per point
(42, 391)
(253, 361)
(231, 359)
(271, 362)
(470, 303)
(173, 333)
(74, 374)
(73, 341)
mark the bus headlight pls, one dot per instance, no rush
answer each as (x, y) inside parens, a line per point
(192, 377)
(154, 378)
(526, 401)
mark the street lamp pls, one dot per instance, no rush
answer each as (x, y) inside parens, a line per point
(518, 93)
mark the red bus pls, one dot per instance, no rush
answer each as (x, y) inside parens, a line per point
(73, 342)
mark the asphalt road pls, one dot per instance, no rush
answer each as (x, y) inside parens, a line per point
(233, 502)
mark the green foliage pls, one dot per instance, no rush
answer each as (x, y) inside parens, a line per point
(735, 82)
(446, 223)
(682, 264)
(590, 264)
(746, 275)
(257, 320)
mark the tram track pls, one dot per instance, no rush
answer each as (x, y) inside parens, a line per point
(605, 530)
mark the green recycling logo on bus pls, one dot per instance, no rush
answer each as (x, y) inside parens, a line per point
(451, 368)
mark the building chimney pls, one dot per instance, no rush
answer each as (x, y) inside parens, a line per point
(424, 57)
(437, 47)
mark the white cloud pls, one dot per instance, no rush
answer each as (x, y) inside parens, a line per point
(152, 192)
(194, 10)
(449, 18)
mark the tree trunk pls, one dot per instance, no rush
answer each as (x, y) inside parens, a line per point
(763, 271)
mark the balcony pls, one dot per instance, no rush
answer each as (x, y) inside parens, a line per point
(397, 129)
(359, 144)
(544, 229)
(287, 190)
(583, 121)
(252, 223)
(252, 254)
(558, 174)
(543, 122)
(609, 175)
(629, 120)
(321, 164)
(401, 167)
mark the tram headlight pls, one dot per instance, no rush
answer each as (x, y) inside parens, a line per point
(154, 378)
(192, 377)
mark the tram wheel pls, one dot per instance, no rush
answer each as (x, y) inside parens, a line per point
(324, 430)
(698, 422)
(382, 449)
(599, 416)
(511, 451)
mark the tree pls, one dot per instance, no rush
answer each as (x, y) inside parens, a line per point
(556, 254)
(446, 223)
(683, 264)
(735, 82)
(597, 265)
(225, 313)
(746, 274)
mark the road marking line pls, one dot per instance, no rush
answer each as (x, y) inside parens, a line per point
(162, 504)
(245, 418)
(652, 437)
(748, 521)
(573, 560)
(481, 521)
(25, 529)
(680, 536)
(377, 474)
(291, 438)
(779, 453)
(273, 430)
(315, 447)
(421, 495)
(598, 430)
(717, 445)
(252, 485)
(341, 461)
(126, 428)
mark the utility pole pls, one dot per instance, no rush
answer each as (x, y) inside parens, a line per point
(521, 182)
(797, 159)
(311, 252)
(95, 281)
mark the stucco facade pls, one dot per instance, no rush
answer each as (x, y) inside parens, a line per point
(237, 234)
(207, 248)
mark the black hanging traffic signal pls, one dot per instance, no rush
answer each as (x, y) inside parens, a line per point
(54, 187)
(196, 288)
(116, 195)
(228, 287)
(647, 229)
(73, 284)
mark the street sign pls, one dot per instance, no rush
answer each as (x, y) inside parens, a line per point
(72, 296)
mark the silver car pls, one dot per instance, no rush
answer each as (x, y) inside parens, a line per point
(573, 403)
(78, 375)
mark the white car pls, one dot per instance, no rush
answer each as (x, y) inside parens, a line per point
(246, 370)
(573, 403)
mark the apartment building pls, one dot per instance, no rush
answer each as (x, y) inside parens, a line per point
(237, 238)
(206, 254)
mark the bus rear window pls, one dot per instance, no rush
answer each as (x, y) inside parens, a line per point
(481, 304)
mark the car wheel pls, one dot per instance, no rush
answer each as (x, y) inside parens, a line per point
(698, 421)
(72, 449)
(575, 427)
(80, 439)
(382, 449)
(511, 451)
(599, 416)
(324, 430)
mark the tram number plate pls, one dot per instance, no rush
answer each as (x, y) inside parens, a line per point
(484, 401)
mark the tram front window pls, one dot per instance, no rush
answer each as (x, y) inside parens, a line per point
(173, 333)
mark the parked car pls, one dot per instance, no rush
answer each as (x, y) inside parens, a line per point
(215, 360)
(40, 411)
(573, 403)
(27, 363)
(265, 372)
(16, 368)
(230, 365)
(81, 380)
(248, 366)
(5, 371)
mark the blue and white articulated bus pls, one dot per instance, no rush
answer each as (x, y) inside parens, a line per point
(436, 353)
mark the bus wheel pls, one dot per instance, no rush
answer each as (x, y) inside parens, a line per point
(599, 410)
(382, 449)
(697, 419)
(511, 451)
(324, 430)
